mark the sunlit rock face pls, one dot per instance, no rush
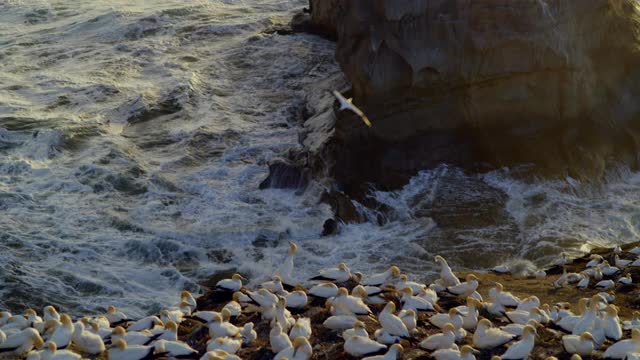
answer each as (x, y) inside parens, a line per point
(484, 84)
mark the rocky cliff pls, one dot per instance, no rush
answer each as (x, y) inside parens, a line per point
(482, 84)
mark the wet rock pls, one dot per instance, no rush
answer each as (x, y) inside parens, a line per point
(286, 175)
(330, 227)
(343, 206)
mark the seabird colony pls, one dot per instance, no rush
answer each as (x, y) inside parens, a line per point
(397, 308)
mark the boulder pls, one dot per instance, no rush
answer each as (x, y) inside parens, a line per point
(482, 84)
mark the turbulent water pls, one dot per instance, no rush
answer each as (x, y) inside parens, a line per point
(133, 139)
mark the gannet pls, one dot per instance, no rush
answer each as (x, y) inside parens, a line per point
(22, 342)
(623, 347)
(122, 351)
(498, 295)
(635, 262)
(241, 298)
(340, 322)
(522, 348)
(584, 281)
(588, 319)
(516, 329)
(301, 328)
(635, 250)
(275, 286)
(175, 315)
(341, 273)
(146, 323)
(469, 313)
(170, 332)
(132, 337)
(204, 316)
(625, 280)
(283, 316)
(620, 262)
(324, 290)
(494, 308)
(581, 345)
(248, 334)
(4, 317)
(220, 328)
(234, 284)
(219, 355)
(384, 337)
(594, 273)
(465, 288)
(446, 275)
(611, 323)
(86, 341)
(442, 340)
(230, 345)
(296, 299)
(608, 270)
(409, 319)
(234, 308)
(299, 350)
(285, 271)
(487, 337)
(465, 353)
(404, 282)
(391, 323)
(595, 260)
(634, 323)
(352, 303)
(394, 353)
(51, 352)
(521, 317)
(500, 269)
(562, 280)
(369, 294)
(429, 294)
(263, 297)
(186, 296)
(3, 336)
(49, 312)
(346, 104)
(453, 317)
(62, 335)
(114, 316)
(359, 346)
(383, 277)
(279, 340)
(416, 303)
(358, 330)
(569, 321)
(605, 285)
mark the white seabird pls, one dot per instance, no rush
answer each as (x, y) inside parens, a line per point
(248, 334)
(620, 262)
(62, 335)
(230, 345)
(22, 342)
(358, 330)
(470, 313)
(487, 337)
(351, 303)
(301, 328)
(341, 273)
(234, 308)
(605, 284)
(170, 331)
(625, 280)
(383, 337)
(146, 323)
(122, 351)
(186, 296)
(324, 290)
(296, 299)
(285, 271)
(453, 317)
(359, 346)
(415, 303)
(278, 339)
(51, 352)
(409, 319)
(465, 353)
(611, 323)
(340, 322)
(498, 295)
(300, 349)
(275, 286)
(466, 288)
(620, 349)
(383, 277)
(220, 328)
(404, 282)
(391, 323)
(234, 284)
(442, 340)
(394, 353)
(86, 341)
(219, 355)
(579, 344)
(522, 348)
(346, 104)
(446, 274)
(634, 323)
(132, 337)
(114, 316)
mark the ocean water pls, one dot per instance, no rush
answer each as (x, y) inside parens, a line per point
(134, 134)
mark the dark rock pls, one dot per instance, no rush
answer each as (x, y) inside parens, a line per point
(482, 85)
(286, 175)
(330, 227)
(343, 207)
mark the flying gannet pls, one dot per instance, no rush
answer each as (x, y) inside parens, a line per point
(346, 104)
